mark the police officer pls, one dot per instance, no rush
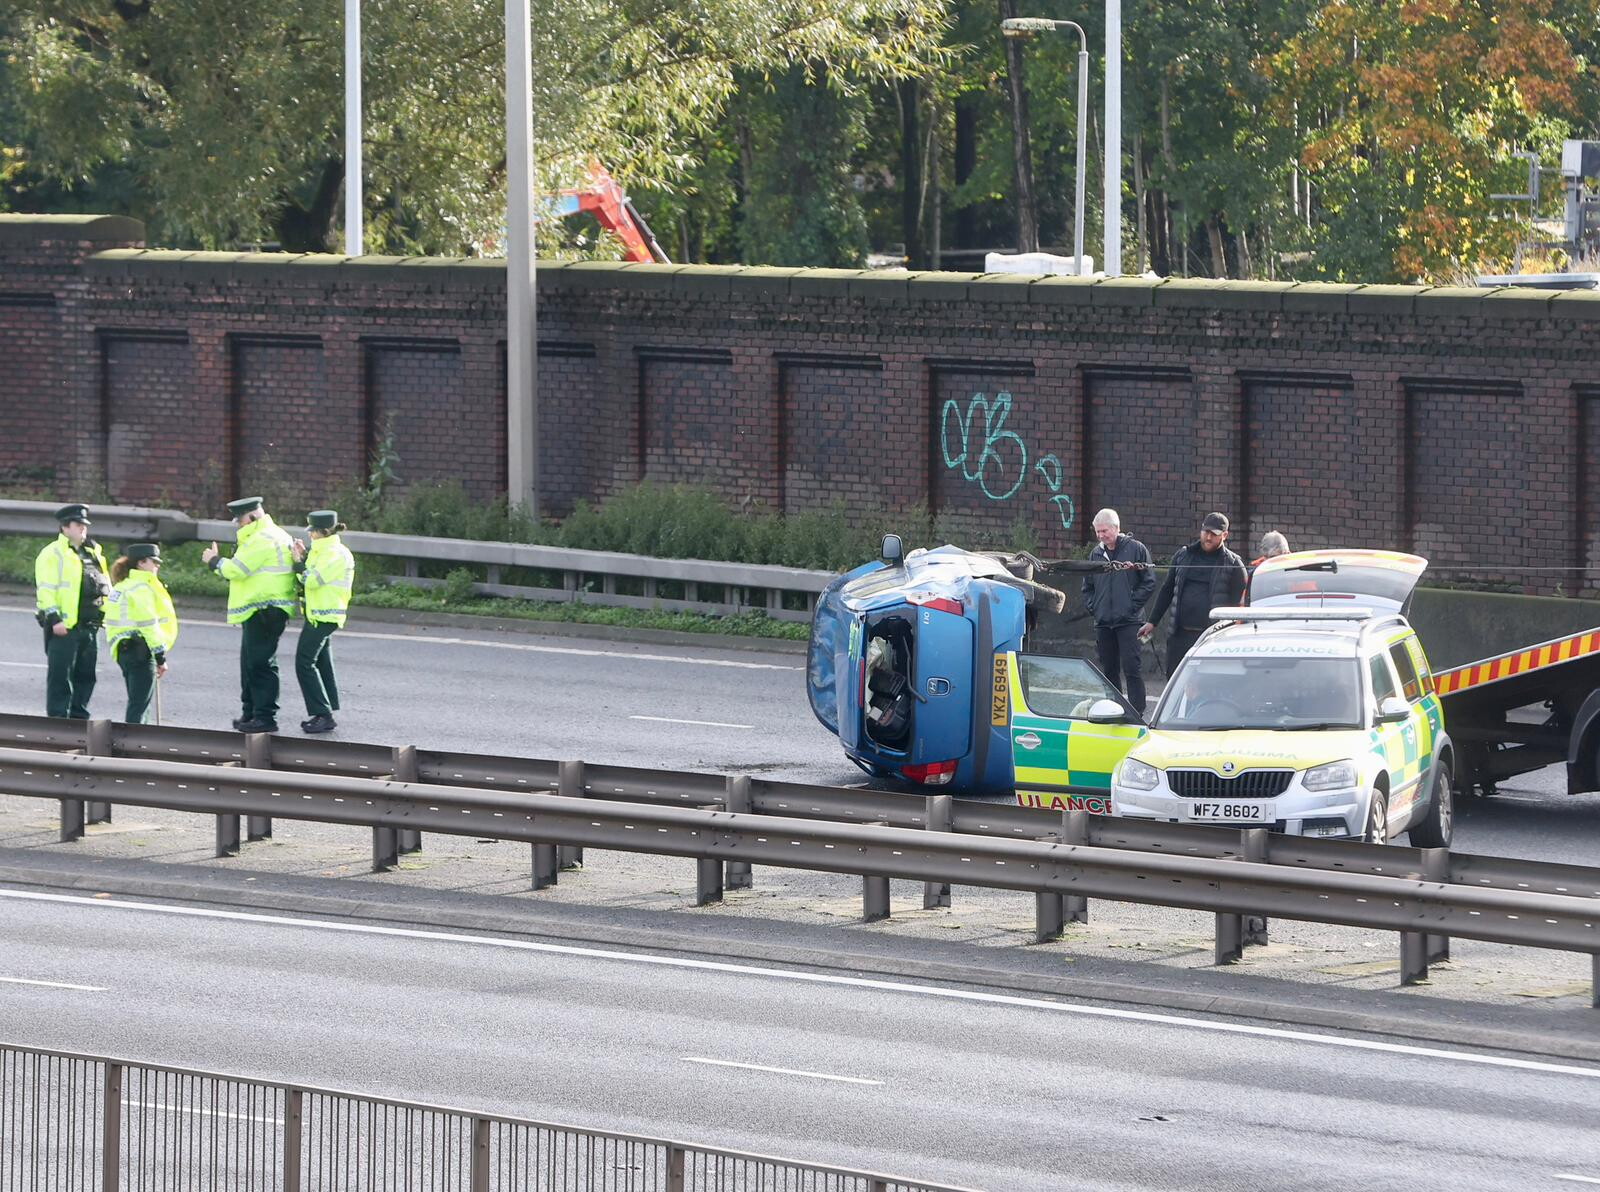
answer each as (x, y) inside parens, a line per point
(261, 596)
(327, 572)
(141, 625)
(72, 586)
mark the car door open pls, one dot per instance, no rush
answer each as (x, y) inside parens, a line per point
(1070, 728)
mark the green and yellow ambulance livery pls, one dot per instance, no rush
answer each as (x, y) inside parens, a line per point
(1311, 712)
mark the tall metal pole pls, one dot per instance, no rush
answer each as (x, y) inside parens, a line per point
(1113, 171)
(352, 129)
(522, 390)
(1083, 107)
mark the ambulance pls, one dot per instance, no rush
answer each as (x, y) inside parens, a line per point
(1310, 712)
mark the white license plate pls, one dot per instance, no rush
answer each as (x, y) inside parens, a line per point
(1236, 812)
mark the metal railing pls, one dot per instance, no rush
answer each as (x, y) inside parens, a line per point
(84, 1123)
(1409, 891)
(708, 586)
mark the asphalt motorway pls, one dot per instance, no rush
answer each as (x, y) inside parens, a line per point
(976, 1088)
(710, 708)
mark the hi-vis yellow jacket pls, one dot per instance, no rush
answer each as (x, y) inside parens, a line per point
(58, 576)
(261, 573)
(330, 573)
(142, 607)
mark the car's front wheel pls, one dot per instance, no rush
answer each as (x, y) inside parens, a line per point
(1377, 818)
(1436, 827)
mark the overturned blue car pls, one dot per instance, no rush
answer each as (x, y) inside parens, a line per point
(907, 662)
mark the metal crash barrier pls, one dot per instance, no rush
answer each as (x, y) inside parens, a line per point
(84, 1123)
(560, 808)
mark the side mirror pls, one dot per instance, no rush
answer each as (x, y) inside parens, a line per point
(1393, 710)
(1106, 711)
(894, 551)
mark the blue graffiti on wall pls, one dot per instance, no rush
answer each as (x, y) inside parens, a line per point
(994, 457)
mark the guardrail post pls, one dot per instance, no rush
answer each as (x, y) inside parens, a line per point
(405, 770)
(1254, 928)
(736, 798)
(385, 849)
(941, 816)
(480, 1155)
(1436, 868)
(545, 866)
(98, 811)
(71, 820)
(707, 880)
(111, 1129)
(293, 1128)
(258, 756)
(1594, 980)
(227, 834)
(1230, 939)
(1419, 948)
(1075, 830)
(674, 1167)
(571, 784)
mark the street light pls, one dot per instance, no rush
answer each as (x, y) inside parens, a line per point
(1024, 28)
(352, 129)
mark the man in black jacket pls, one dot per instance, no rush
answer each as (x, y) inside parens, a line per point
(1205, 575)
(1116, 597)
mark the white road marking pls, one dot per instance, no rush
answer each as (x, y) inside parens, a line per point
(702, 723)
(52, 984)
(526, 647)
(28, 665)
(232, 1117)
(1576, 1179)
(697, 1059)
(964, 995)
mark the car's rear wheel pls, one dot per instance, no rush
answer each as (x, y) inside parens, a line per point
(1436, 827)
(1377, 818)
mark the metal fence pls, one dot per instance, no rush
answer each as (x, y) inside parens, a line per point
(83, 1123)
(583, 576)
(1412, 894)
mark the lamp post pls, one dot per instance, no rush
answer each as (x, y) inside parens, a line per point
(352, 129)
(522, 323)
(1027, 27)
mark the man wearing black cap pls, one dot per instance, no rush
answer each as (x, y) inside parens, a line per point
(70, 578)
(261, 596)
(1205, 575)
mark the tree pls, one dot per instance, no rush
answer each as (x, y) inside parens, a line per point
(228, 113)
(1411, 113)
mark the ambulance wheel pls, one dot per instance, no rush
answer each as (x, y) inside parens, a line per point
(1377, 818)
(1434, 829)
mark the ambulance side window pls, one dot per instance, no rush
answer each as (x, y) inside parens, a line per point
(1421, 659)
(1406, 671)
(1382, 681)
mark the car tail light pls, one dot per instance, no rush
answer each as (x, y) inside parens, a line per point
(943, 604)
(932, 774)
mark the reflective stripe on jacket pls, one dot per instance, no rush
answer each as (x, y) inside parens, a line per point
(329, 577)
(141, 606)
(261, 573)
(58, 579)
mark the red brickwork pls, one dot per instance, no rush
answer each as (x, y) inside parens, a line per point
(1445, 420)
(150, 394)
(1142, 462)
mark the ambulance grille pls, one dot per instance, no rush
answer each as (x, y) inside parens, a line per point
(1246, 784)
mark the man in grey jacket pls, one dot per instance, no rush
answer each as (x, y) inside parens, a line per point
(1116, 596)
(1204, 575)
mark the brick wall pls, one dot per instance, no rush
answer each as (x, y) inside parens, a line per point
(1459, 423)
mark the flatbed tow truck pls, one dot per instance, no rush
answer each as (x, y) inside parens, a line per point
(1492, 744)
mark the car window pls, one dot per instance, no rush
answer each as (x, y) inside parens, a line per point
(1382, 681)
(1407, 672)
(1064, 687)
(1421, 659)
(1269, 692)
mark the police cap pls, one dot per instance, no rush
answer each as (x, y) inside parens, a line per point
(243, 505)
(322, 519)
(73, 513)
(138, 551)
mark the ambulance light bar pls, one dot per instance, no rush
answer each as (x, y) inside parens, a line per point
(1292, 614)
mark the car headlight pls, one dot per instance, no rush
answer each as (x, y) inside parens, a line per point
(1333, 776)
(1138, 776)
